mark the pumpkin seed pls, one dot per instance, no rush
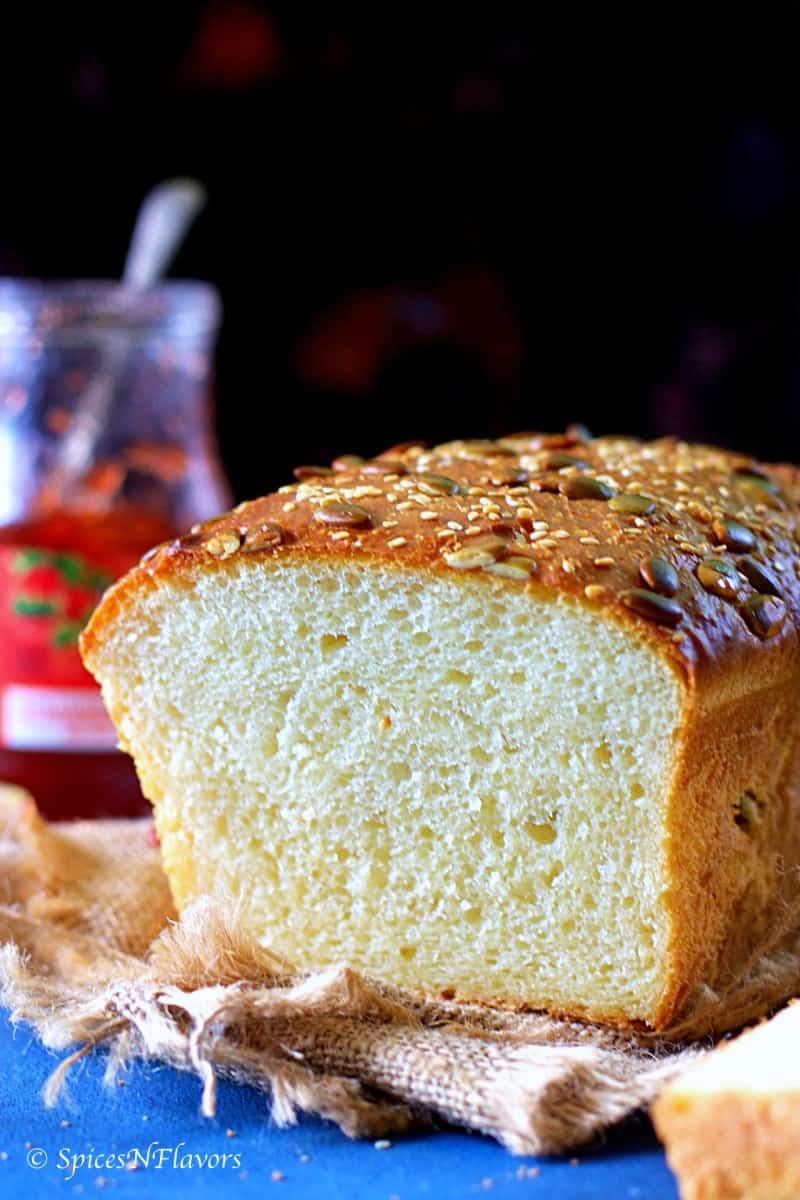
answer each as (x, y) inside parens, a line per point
(758, 575)
(660, 576)
(383, 466)
(480, 552)
(265, 537)
(734, 536)
(303, 473)
(513, 567)
(765, 615)
(719, 577)
(222, 544)
(759, 490)
(579, 431)
(402, 448)
(346, 462)
(753, 471)
(557, 460)
(583, 487)
(631, 502)
(656, 608)
(344, 516)
(438, 485)
(508, 478)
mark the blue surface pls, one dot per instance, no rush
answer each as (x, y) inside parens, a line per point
(158, 1105)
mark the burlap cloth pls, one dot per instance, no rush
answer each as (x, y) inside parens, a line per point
(92, 954)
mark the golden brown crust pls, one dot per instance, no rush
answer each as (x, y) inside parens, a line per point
(518, 513)
(441, 503)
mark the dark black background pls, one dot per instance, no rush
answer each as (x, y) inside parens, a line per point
(426, 222)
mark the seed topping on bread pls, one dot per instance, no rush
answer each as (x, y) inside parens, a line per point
(669, 531)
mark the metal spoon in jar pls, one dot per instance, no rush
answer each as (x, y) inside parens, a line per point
(164, 218)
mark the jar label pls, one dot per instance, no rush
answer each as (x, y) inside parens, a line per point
(51, 718)
(48, 700)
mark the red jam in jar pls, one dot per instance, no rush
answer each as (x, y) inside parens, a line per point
(56, 738)
(106, 449)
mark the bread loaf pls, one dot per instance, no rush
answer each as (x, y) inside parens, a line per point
(511, 720)
(731, 1124)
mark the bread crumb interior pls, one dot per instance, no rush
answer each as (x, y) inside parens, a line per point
(451, 783)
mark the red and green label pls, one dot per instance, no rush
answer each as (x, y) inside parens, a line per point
(46, 598)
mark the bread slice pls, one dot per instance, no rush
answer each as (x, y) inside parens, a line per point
(731, 1123)
(481, 719)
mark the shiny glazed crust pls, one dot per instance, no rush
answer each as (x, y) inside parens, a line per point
(566, 514)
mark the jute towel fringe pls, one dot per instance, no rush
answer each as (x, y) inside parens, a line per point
(92, 955)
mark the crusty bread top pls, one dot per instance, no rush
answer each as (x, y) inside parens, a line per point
(693, 547)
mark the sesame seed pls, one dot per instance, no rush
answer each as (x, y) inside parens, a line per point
(398, 541)
(472, 529)
(538, 535)
(428, 515)
(289, 506)
(405, 505)
(595, 591)
(389, 524)
(358, 493)
(547, 544)
(340, 535)
(382, 1144)
(568, 566)
(560, 533)
(454, 525)
(589, 541)
(603, 562)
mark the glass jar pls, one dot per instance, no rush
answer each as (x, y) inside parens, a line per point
(106, 447)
